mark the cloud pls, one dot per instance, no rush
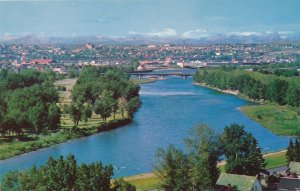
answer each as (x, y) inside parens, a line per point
(285, 32)
(132, 33)
(269, 32)
(198, 33)
(246, 33)
(168, 32)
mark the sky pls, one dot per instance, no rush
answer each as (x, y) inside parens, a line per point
(163, 18)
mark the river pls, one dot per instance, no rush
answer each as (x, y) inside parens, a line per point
(170, 108)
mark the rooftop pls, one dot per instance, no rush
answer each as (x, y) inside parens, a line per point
(294, 167)
(242, 182)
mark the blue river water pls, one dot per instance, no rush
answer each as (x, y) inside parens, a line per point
(170, 108)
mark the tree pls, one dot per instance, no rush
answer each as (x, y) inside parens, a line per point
(205, 151)
(241, 151)
(104, 105)
(254, 161)
(75, 113)
(64, 175)
(173, 168)
(87, 113)
(121, 185)
(297, 150)
(132, 106)
(293, 95)
(276, 91)
(53, 116)
(290, 153)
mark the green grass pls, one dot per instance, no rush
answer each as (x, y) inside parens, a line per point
(10, 148)
(276, 159)
(144, 181)
(281, 120)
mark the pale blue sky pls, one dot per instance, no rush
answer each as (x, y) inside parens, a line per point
(187, 18)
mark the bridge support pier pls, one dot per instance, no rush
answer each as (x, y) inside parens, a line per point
(184, 77)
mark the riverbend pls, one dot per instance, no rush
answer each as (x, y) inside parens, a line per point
(170, 108)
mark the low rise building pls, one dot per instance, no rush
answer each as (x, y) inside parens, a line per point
(228, 182)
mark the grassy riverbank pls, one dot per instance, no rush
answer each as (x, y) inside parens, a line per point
(149, 181)
(10, 148)
(281, 120)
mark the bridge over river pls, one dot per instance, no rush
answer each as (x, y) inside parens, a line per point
(160, 75)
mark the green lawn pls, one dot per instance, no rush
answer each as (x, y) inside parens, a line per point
(275, 159)
(144, 181)
(281, 120)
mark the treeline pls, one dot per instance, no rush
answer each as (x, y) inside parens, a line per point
(104, 92)
(275, 89)
(198, 170)
(65, 175)
(27, 103)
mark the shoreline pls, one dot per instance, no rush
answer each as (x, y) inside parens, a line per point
(231, 92)
(280, 120)
(18, 148)
(62, 136)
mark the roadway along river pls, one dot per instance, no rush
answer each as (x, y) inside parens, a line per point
(170, 109)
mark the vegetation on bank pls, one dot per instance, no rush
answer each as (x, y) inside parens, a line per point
(281, 120)
(65, 174)
(281, 114)
(198, 169)
(151, 181)
(12, 147)
(256, 86)
(74, 117)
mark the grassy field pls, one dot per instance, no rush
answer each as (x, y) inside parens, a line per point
(275, 159)
(65, 95)
(145, 181)
(281, 120)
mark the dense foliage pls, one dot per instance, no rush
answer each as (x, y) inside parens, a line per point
(254, 85)
(198, 170)
(293, 151)
(105, 92)
(64, 175)
(28, 103)
(243, 156)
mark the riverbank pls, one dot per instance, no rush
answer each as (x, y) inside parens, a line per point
(10, 147)
(144, 80)
(66, 133)
(148, 181)
(280, 120)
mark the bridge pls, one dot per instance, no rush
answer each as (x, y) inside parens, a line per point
(160, 75)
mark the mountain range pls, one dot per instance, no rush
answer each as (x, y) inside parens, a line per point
(138, 39)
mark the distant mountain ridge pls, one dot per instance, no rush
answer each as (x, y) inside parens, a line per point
(138, 39)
